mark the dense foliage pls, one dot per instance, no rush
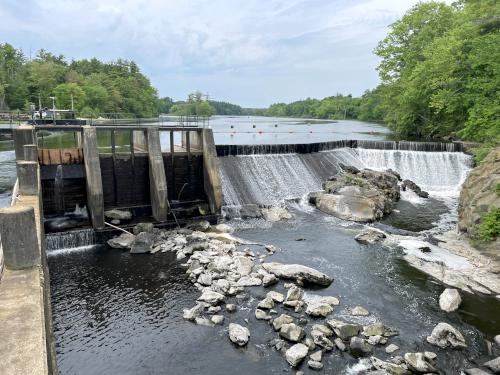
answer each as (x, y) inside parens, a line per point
(489, 228)
(440, 71)
(96, 87)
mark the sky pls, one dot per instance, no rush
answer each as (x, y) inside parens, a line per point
(252, 53)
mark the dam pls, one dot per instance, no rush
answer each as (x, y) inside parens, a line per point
(116, 312)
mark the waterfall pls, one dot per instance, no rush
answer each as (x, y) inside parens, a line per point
(269, 179)
(65, 241)
(59, 189)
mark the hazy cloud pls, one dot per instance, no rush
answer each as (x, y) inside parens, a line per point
(252, 52)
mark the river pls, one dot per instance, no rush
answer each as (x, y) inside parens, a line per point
(117, 313)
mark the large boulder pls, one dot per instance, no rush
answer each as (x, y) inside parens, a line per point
(292, 332)
(359, 347)
(370, 236)
(298, 272)
(343, 329)
(143, 243)
(275, 214)
(478, 196)
(238, 334)
(444, 335)
(419, 363)
(449, 300)
(123, 241)
(365, 196)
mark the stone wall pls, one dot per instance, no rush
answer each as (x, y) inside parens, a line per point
(479, 195)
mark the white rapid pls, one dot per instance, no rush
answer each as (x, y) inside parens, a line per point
(270, 179)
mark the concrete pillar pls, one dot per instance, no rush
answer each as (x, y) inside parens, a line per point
(28, 177)
(95, 200)
(31, 153)
(211, 176)
(140, 143)
(19, 237)
(157, 178)
(23, 135)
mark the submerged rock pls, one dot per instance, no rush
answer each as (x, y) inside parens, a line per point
(359, 347)
(296, 354)
(194, 312)
(359, 311)
(123, 241)
(298, 272)
(444, 335)
(143, 227)
(275, 214)
(369, 236)
(238, 334)
(449, 300)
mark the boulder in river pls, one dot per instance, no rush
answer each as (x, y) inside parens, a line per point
(275, 214)
(143, 243)
(449, 300)
(445, 335)
(343, 329)
(292, 332)
(298, 272)
(359, 311)
(493, 365)
(370, 236)
(419, 363)
(238, 334)
(318, 309)
(416, 189)
(123, 241)
(296, 354)
(143, 227)
(359, 347)
(281, 320)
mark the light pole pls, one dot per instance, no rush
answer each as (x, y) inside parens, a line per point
(53, 108)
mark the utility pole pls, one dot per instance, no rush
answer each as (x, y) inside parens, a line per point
(72, 103)
(53, 108)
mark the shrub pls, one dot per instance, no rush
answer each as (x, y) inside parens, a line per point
(489, 229)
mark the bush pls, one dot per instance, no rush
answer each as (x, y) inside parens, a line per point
(489, 229)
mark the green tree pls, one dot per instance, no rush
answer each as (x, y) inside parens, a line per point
(65, 93)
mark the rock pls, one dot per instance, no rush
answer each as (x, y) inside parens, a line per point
(497, 340)
(214, 309)
(359, 347)
(318, 309)
(449, 300)
(408, 184)
(369, 236)
(294, 293)
(317, 356)
(143, 227)
(359, 311)
(249, 281)
(269, 279)
(194, 312)
(243, 265)
(320, 339)
(376, 340)
(493, 365)
(333, 301)
(478, 195)
(344, 330)
(266, 304)
(262, 315)
(143, 243)
(230, 307)
(217, 319)
(298, 272)
(238, 334)
(391, 348)
(223, 228)
(296, 354)
(418, 362)
(202, 321)
(250, 211)
(389, 367)
(351, 206)
(198, 225)
(349, 168)
(115, 222)
(378, 329)
(205, 279)
(118, 214)
(323, 329)
(211, 297)
(340, 344)
(281, 320)
(315, 365)
(292, 332)
(444, 335)
(123, 241)
(275, 214)
(275, 296)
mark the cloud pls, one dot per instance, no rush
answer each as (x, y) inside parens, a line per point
(252, 52)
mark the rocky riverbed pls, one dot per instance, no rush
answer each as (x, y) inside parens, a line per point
(222, 266)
